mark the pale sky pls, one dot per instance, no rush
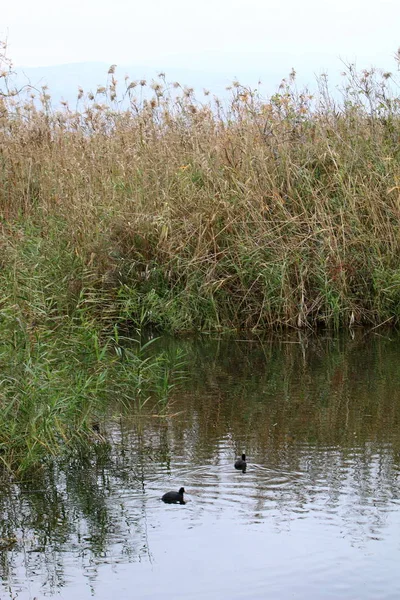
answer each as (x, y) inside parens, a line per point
(208, 35)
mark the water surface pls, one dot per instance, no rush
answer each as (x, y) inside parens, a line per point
(316, 515)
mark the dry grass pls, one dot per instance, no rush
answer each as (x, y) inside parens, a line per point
(253, 213)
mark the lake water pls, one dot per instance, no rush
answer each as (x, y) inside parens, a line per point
(316, 515)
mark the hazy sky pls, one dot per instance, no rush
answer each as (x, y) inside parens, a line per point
(205, 35)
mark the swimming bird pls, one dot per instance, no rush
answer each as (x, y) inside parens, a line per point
(241, 464)
(174, 497)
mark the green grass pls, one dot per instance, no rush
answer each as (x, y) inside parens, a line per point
(57, 384)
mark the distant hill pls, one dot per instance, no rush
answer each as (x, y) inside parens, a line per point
(213, 71)
(64, 80)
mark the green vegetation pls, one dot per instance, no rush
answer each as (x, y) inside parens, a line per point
(62, 381)
(149, 208)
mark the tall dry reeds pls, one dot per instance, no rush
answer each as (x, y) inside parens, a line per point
(164, 210)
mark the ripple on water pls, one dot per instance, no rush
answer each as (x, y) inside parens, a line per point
(316, 515)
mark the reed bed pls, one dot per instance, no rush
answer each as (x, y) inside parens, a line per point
(160, 209)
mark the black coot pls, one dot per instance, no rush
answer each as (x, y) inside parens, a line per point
(174, 497)
(241, 464)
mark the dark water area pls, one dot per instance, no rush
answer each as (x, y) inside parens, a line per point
(316, 515)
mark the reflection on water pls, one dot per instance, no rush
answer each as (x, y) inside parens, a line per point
(316, 515)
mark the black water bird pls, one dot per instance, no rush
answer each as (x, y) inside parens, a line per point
(174, 497)
(241, 464)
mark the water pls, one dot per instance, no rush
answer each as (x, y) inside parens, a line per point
(316, 515)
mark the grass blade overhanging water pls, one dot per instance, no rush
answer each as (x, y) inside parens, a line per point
(57, 384)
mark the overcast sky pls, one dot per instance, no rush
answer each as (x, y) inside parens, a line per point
(207, 35)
